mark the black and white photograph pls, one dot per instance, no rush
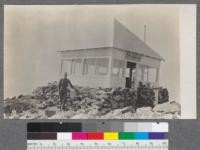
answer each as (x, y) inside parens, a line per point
(135, 61)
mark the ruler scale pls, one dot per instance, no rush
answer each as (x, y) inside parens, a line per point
(134, 136)
(145, 146)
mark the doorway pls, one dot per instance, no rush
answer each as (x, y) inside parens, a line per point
(130, 74)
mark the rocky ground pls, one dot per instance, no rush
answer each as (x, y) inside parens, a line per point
(89, 103)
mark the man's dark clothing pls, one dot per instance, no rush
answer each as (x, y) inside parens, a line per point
(64, 91)
(63, 85)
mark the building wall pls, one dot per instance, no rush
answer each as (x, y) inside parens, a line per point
(114, 80)
(117, 82)
(88, 80)
(91, 81)
(147, 61)
(118, 54)
(107, 80)
(96, 52)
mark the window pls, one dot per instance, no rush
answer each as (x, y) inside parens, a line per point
(145, 75)
(66, 66)
(128, 72)
(118, 67)
(77, 66)
(96, 66)
(152, 74)
(143, 72)
(89, 66)
(134, 73)
(102, 66)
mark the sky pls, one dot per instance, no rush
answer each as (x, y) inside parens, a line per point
(34, 34)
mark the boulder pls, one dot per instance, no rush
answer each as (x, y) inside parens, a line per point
(169, 107)
(118, 112)
(144, 110)
(128, 109)
(163, 95)
(51, 111)
(42, 106)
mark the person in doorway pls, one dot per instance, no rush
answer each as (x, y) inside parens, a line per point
(64, 91)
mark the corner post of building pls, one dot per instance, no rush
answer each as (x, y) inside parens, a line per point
(137, 74)
(124, 69)
(142, 69)
(157, 84)
(110, 67)
(147, 73)
(61, 66)
(157, 76)
(82, 64)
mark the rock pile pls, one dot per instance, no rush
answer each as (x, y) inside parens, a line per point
(169, 107)
(163, 95)
(145, 96)
(90, 103)
(47, 92)
(105, 99)
(19, 104)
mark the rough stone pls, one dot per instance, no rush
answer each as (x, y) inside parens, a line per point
(88, 103)
(169, 107)
(51, 111)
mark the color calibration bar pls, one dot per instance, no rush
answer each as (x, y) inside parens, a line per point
(98, 136)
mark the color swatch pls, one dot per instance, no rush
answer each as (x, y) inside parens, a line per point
(97, 136)
(114, 135)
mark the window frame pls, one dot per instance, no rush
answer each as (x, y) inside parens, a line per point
(107, 67)
(84, 67)
(95, 74)
(123, 68)
(73, 67)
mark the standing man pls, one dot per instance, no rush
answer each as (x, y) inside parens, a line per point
(64, 91)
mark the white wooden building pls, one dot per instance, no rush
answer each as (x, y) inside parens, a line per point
(125, 62)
